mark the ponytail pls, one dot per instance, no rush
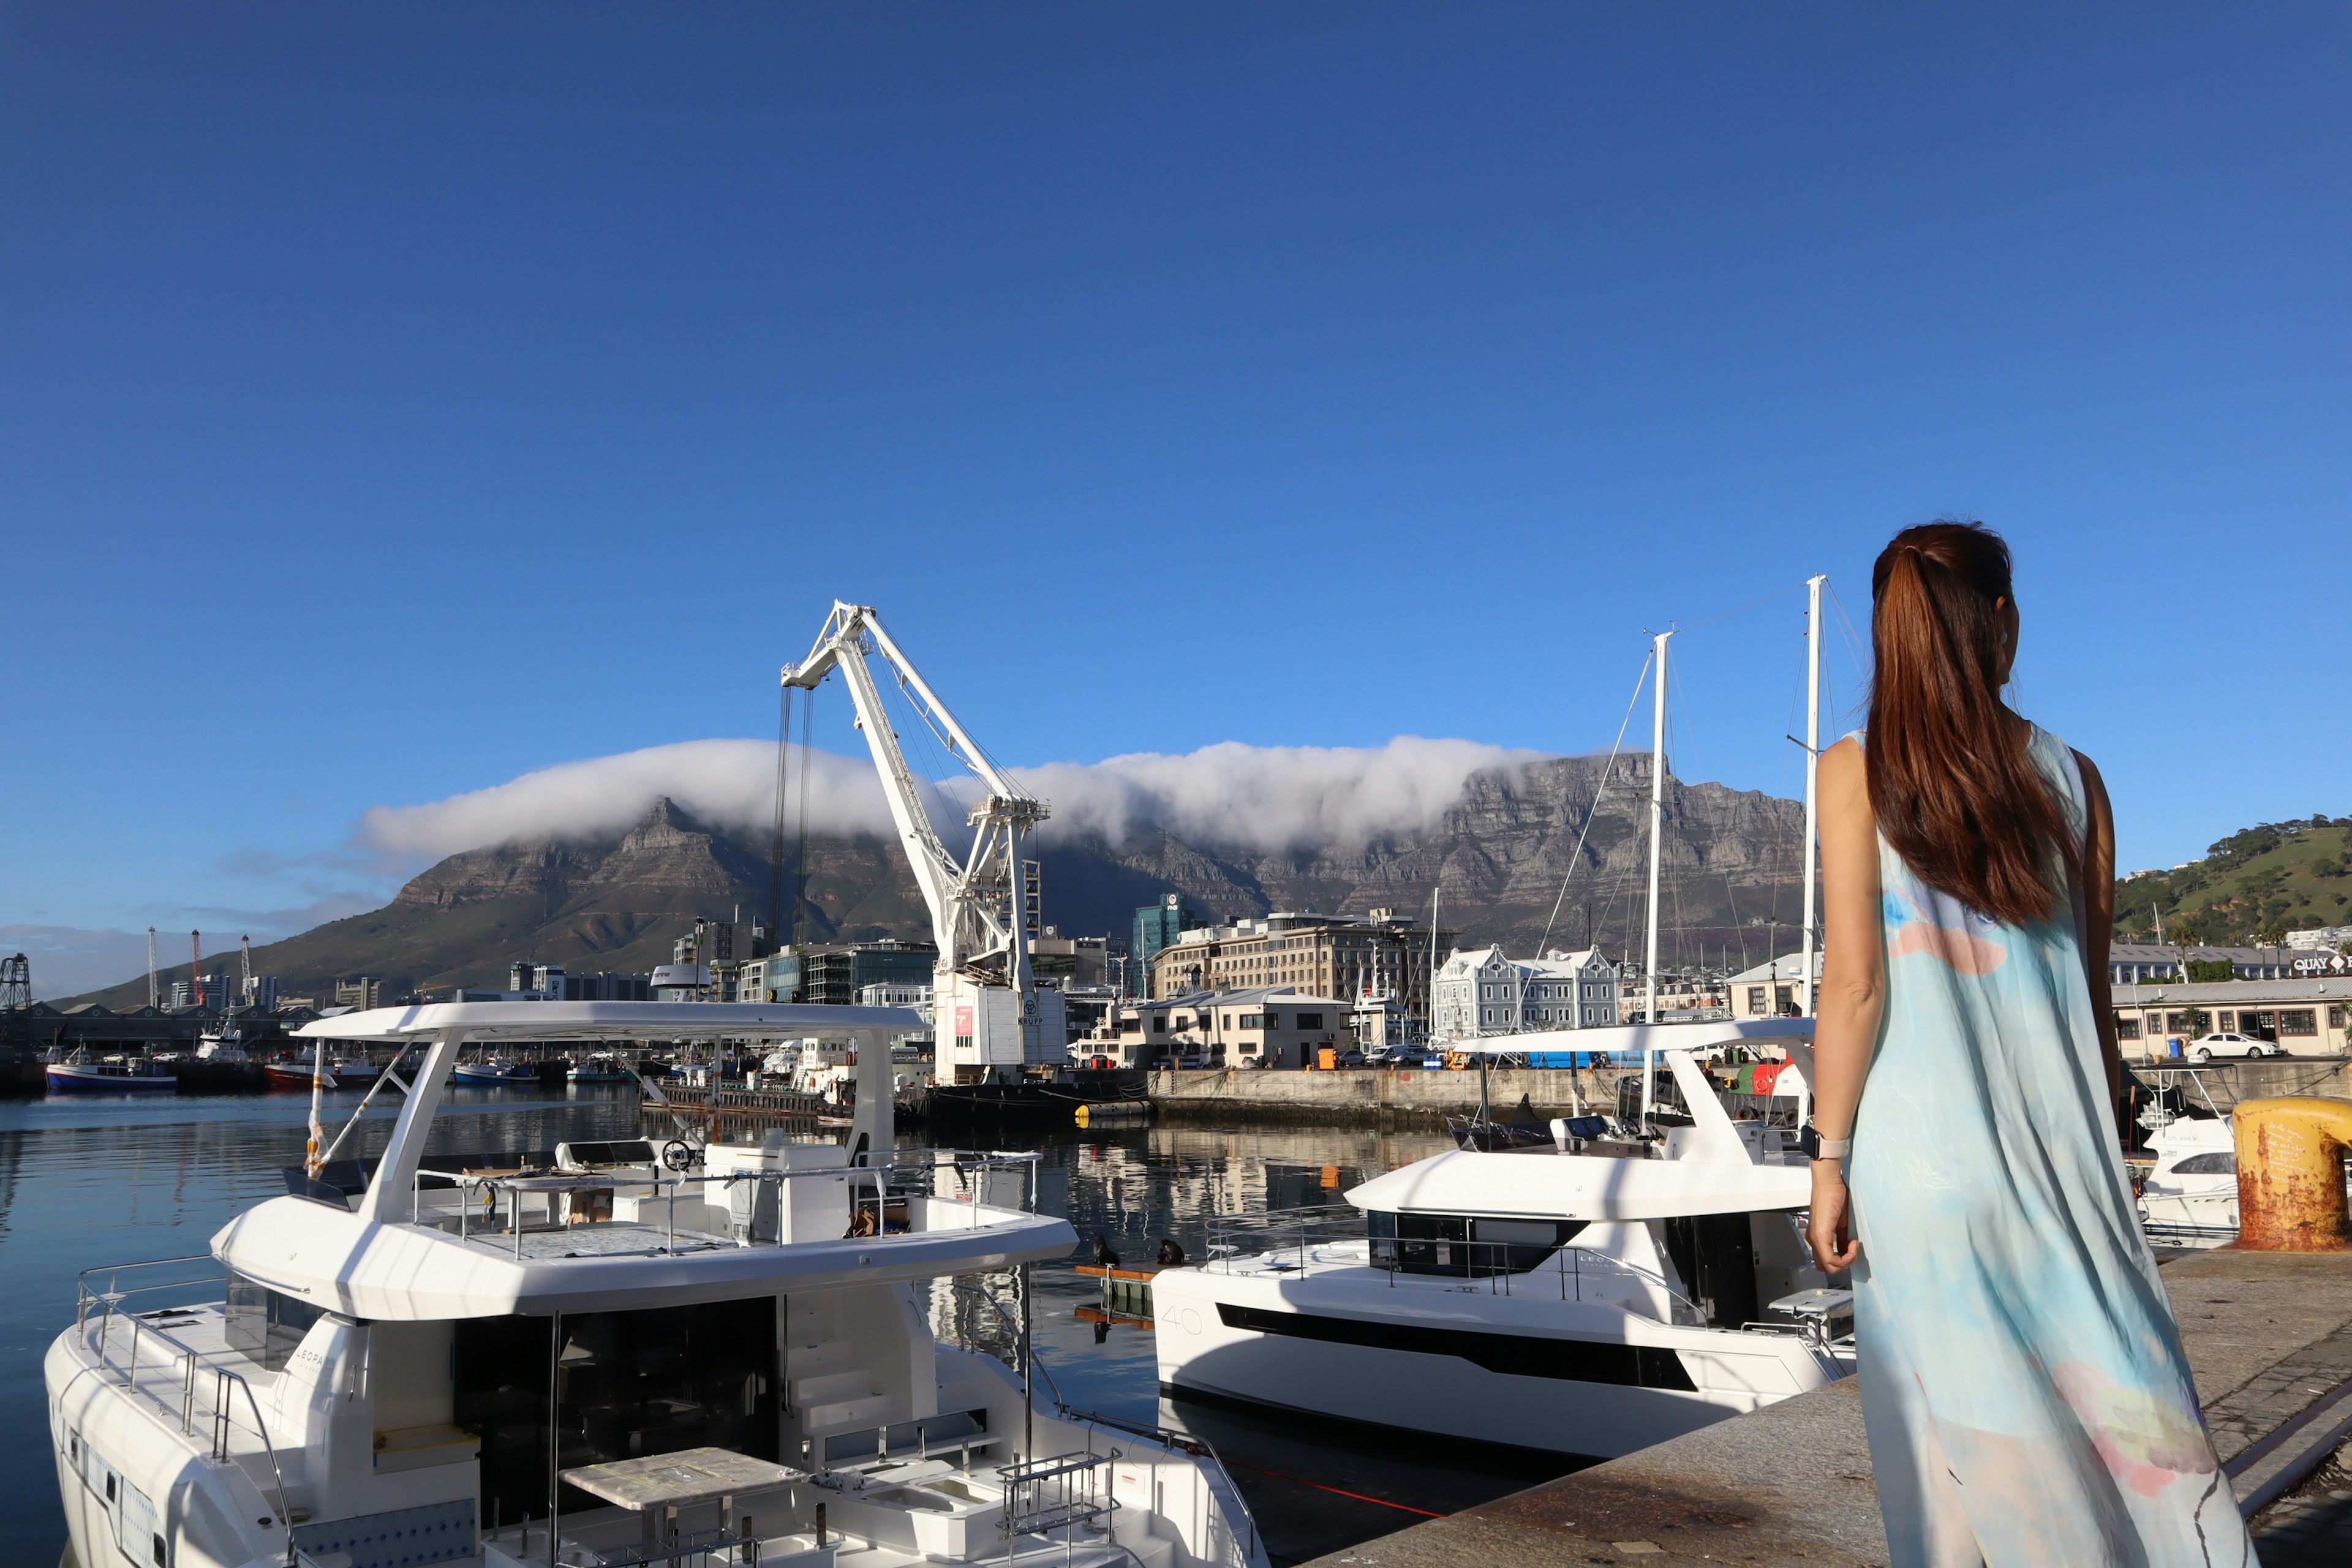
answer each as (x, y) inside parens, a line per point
(1951, 785)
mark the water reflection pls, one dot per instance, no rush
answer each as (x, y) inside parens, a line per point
(88, 1181)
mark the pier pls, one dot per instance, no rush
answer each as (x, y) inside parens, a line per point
(2269, 1336)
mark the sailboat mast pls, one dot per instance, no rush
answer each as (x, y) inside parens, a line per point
(1657, 819)
(1812, 781)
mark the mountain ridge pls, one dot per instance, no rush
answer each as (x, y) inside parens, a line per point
(1495, 861)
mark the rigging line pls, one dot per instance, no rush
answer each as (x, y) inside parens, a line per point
(1738, 609)
(1853, 641)
(1607, 776)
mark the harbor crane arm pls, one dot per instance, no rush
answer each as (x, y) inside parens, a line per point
(973, 902)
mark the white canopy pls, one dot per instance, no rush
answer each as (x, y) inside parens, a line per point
(609, 1021)
(1698, 1036)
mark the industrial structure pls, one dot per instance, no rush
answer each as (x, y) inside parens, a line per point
(992, 1017)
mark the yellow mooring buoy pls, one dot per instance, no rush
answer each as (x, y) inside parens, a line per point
(2291, 1175)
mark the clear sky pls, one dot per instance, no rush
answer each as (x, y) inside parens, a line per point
(396, 400)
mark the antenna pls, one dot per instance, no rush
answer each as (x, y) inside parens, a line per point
(1813, 778)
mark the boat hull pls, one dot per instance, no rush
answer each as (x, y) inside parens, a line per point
(73, 1079)
(1459, 1390)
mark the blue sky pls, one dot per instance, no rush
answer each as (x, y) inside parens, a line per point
(394, 401)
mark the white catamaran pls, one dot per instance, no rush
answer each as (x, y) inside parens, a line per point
(603, 1354)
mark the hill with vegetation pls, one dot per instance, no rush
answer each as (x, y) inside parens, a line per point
(2250, 888)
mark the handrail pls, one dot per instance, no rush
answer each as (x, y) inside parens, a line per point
(1184, 1442)
(189, 1359)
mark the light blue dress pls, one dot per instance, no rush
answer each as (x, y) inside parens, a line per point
(2021, 1375)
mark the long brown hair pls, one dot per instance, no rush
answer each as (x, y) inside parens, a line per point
(1950, 782)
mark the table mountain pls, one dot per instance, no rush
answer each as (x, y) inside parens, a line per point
(1497, 861)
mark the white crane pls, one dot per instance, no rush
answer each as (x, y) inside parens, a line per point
(988, 1014)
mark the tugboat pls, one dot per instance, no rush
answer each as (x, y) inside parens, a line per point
(617, 1353)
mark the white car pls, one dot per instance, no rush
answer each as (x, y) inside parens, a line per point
(2230, 1043)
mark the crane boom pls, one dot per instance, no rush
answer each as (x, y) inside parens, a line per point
(988, 1011)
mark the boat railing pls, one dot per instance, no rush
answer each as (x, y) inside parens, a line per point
(492, 1206)
(1305, 1241)
(165, 1349)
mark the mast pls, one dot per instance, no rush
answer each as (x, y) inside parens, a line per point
(1813, 779)
(1657, 819)
(154, 996)
(196, 970)
(244, 963)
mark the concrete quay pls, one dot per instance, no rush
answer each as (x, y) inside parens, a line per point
(2269, 1337)
(1375, 1096)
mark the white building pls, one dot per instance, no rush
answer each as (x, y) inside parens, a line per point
(1774, 990)
(2320, 939)
(1485, 992)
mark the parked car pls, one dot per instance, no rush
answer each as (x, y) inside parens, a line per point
(2230, 1043)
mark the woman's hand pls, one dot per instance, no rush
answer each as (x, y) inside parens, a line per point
(1830, 1227)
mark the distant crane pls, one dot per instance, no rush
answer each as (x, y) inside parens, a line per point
(992, 1017)
(154, 996)
(16, 981)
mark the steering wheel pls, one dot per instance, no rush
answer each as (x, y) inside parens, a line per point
(677, 1154)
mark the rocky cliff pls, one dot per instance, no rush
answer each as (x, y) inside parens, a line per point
(1497, 863)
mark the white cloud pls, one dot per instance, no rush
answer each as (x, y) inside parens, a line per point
(1260, 798)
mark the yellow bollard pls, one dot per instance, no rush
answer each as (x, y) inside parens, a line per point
(2291, 1175)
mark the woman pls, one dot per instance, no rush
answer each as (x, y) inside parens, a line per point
(2021, 1375)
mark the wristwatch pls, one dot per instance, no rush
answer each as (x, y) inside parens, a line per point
(1813, 1146)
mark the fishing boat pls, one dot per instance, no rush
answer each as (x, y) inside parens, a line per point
(350, 1072)
(617, 1353)
(496, 1072)
(1601, 1286)
(78, 1073)
(600, 1069)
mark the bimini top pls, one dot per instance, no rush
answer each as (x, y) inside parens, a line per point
(605, 1020)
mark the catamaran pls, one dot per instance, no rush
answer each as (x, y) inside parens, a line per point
(1589, 1288)
(606, 1354)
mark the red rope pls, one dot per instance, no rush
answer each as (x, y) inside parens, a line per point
(1342, 1491)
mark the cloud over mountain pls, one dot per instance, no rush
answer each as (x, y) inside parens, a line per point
(1259, 798)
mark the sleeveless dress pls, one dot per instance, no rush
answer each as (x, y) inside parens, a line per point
(2023, 1380)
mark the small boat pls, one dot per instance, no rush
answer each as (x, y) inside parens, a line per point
(496, 1072)
(85, 1076)
(600, 1069)
(352, 1072)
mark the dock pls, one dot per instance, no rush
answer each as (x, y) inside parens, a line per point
(2269, 1338)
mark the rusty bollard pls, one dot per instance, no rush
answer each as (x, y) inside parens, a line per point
(2291, 1175)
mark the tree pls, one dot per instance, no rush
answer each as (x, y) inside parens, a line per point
(2269, 933)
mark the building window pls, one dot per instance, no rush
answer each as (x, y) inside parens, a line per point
(1252, 1021)
(2229, 1020)
(2298, 1021)
(1756, 998)
(1158, 1023)
(2156, 1022)
(2128, 1028)
(1309, 1021)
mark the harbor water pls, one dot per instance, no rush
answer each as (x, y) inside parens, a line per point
(94, 1180)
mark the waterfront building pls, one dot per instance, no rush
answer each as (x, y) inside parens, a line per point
(1264, 1026)
(2130, 962)
(833, 976)
(1774, 990)
(2321, 938)
(2305, 1016)
(1327, 955)
(1156, 926)
(1072, 961)
(1483, 992)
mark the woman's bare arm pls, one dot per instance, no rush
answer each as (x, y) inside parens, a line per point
(2098, 874)
(1852, 990)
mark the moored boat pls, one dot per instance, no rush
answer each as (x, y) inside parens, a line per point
(496, 1072)
(86, 1077)
(617, 1353)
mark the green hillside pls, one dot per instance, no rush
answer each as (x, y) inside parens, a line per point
(2250, 888)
